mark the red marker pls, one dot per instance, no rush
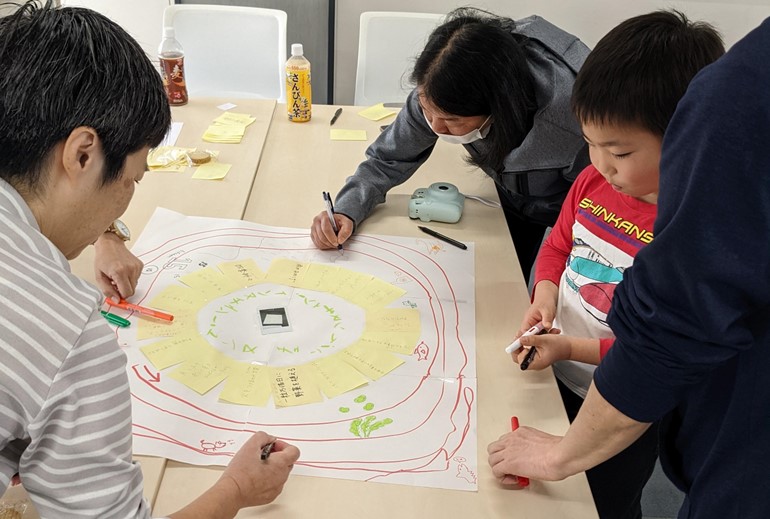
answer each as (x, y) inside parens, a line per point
(140, 309)
(523, 482)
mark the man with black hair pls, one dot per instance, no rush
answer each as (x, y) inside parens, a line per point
(80, 107)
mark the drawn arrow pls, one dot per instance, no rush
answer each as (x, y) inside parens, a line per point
(153, 378)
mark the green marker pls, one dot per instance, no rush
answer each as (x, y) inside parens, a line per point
(115, 319)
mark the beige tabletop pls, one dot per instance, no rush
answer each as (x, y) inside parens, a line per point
(224, 198)
(298, 163)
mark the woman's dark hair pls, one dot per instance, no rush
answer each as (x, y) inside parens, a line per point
(62, 68)
(640, 70)
(474, 65)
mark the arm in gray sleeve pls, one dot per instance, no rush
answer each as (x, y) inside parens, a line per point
(391, 160)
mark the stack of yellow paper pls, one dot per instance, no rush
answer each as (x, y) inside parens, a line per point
(228, 128)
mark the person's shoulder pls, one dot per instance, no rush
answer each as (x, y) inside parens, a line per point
(40, 286)
(567, 47)
(741, 72)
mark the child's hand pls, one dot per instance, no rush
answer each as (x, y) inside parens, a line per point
(542, 309)
(550, 347)
(554, 346)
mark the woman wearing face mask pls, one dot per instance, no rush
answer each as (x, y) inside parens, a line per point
(499, 87)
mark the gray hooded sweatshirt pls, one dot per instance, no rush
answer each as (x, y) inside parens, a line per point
(536, 175)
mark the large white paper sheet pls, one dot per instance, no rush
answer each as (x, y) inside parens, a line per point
(374, 377)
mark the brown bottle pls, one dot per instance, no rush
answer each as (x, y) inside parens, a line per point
(171, 57)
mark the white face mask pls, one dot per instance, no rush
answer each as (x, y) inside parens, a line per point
(472, 136)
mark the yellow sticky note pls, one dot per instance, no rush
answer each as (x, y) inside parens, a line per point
(337, 134)
(179, 348)
(323, 278)
(243, 273)
(294, 385)
(393, 320)
(212, 171)
(228, 118)
(349, 283)
(178, 299)
(335, 376)
(371, 362)
(397, 342)
(150, 327)
(376, 294)
(376, 112)
(210, 282)
(247, 384)
(284, 271)
(201, 374)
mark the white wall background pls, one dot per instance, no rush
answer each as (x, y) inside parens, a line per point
(587, 19)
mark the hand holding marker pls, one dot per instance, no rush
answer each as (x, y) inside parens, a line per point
(523, 482)
(330, 212)
(538, 329)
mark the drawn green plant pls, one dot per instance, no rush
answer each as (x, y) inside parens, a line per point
(364, 427)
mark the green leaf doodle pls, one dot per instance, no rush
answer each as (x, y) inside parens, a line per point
(364, 428)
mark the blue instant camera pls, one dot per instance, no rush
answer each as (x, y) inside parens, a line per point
(441, 202)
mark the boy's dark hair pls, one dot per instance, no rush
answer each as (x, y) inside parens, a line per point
(640, 70)
(62, 68)
(474, 65)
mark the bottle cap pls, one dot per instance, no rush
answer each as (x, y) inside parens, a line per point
(168, 32)
(296, 49)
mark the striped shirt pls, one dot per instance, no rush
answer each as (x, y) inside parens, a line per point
(65, 406)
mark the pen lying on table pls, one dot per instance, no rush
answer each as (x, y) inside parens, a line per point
(115, 319)
(335, 117)
(440, 236)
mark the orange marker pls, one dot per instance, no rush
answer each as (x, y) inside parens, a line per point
(523, 482)
(141, 309)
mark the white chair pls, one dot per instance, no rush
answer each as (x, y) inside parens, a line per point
(142, 19)
(237, 52)
(388, 43)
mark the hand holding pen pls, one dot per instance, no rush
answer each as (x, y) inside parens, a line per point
(537, 329)
(330, 214)
(522, 481)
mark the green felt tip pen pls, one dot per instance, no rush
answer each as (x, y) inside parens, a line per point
(115, 319)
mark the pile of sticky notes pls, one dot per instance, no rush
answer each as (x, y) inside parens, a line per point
(228, 128)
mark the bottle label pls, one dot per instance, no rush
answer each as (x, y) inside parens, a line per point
(172, 72)
(298, 94)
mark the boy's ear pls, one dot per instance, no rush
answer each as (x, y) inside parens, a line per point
(82, 153)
